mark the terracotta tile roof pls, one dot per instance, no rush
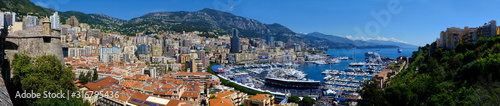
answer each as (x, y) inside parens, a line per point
(150, 88)
(261, 97)
(126, 92)
(128, 78)
(168, 86)
(192, 94)
(161, 92)
(106, 82)
(128, 83)
(138, 85)
(138, 96)
(185, 105)
(142, 99)
(173, 103)
(223, 94)
(221, 102)
(120, 97)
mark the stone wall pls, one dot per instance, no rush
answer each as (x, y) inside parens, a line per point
(33, 43)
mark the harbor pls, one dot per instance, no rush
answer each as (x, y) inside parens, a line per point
(341, 81)
(332, 76)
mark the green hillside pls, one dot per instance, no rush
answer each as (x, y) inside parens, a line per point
(23, 7)
(467, 75)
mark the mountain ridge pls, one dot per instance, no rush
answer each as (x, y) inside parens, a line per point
(360, 43)
(205, 20)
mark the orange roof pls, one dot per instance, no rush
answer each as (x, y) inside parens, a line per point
(140, 99)
(261, 97)
(128, 83)
(128, 78)
(192, 94)
(121, 97)
(138, 85)
(161, 92)
(138, 96)
(223, 94)
(167, 86)
(97, 86)
(150, 88)
(221, 102)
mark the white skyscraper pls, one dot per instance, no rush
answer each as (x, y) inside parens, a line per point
(55, 21)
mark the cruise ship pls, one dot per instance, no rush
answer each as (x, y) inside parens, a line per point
(290, 78)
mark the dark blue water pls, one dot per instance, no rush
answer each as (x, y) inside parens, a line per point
(313, 71)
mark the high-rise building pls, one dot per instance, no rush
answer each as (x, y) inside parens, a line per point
(107, 53)
(270, 41)
(143, 49)
(73, 21)
(201, 55)
(88, 50)
(235, 42)
(489, 29)
(452, 36)
(194, 65)
(169, 51)
(156, 50)
(10, 18)
(55, 21)
(279, 43)
(30, 22)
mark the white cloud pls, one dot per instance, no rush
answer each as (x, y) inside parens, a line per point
(375, 38)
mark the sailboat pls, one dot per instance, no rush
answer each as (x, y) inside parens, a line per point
(400, 50)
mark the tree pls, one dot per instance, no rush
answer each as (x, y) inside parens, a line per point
(294, 99)
(42, 74)
(212, 97)
(308, 101)
(89, 76)
(96, 75)
(371, 94)
(82, 78)
(243, 104)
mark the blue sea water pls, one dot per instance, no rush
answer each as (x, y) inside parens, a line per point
(313, 71)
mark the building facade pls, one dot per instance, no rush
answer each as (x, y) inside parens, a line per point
(55, 20)
(235, 42)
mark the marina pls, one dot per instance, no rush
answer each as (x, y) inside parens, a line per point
(339, 76)
(342, 80)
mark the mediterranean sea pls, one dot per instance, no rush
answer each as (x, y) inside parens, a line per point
(313, 71)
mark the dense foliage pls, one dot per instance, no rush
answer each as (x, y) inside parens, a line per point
(294, 99)
(44, 73)
(306, 100)
(23, 7)
(84, 79)
(466, 75)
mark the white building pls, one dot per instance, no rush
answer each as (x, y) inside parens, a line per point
(55, 21)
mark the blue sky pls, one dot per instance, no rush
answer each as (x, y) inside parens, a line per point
(417, 22)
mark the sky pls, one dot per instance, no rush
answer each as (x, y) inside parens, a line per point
(416, 22)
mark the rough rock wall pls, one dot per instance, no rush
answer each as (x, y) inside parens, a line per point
(32, 43)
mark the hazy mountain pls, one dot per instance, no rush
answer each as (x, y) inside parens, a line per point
(360, 43)
(330, 37)
(382, 42)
